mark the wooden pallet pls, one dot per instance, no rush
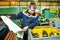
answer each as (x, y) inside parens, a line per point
(10, 36)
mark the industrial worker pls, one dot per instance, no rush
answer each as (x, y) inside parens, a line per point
(29, 19)
(3, 30)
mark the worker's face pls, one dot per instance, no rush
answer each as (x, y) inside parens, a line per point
(32, 10)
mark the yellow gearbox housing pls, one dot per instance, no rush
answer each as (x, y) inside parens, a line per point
(45, 31)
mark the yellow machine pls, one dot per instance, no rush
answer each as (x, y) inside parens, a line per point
(53, 10)
(45, 31)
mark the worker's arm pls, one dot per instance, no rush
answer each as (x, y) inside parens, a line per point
(18, 16)
(34, 23)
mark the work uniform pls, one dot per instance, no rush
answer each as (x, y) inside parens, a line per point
(27, 20)
(3, 31)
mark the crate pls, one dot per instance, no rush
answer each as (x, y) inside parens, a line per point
(44, 38)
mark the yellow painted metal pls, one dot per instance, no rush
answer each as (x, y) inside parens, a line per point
(56, 18)
(53, 10)
(15, 3)
(39, 30)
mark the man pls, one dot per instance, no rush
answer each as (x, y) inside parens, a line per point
(29, 19)
(3, 30)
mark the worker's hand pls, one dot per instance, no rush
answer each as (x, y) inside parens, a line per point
(25, 28)
(8, 16)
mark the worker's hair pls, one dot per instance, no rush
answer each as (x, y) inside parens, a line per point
(1, 19)
(32, 4)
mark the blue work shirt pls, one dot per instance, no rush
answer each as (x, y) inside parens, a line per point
(26, 20)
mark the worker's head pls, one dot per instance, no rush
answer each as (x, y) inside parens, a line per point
(1, 21)
(32, 7)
